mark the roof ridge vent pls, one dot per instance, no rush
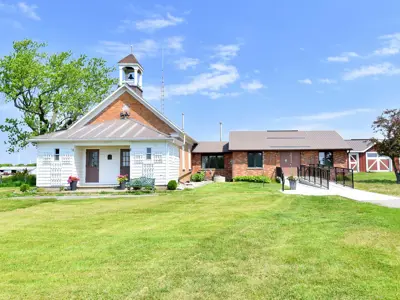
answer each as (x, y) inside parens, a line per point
(290, 130)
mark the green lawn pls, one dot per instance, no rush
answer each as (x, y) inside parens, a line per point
(229, 241)
(379, 182)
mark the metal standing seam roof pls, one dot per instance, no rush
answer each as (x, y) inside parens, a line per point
(286, 140)
(211, 147)
(359, 145)
(127, 129)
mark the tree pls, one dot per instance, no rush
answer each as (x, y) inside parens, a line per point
(50, 91)
(388, 125)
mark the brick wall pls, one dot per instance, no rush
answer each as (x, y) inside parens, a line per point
(210, 173)
(137, 111)
(271, 160)
(309, 157)
(340, 159)
(184, 170)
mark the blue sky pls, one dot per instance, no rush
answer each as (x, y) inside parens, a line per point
(308, 65)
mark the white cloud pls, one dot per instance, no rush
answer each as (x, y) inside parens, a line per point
(372, 70)
(22, 8)
(391, 45)
(305, 81)
(142, 49)
(252, 85)
(155, 22)
(226, 52)
(344, 57)
(218, 77)
(175, 43)
(145, 48)
(216, 95)
(327, 81)
(186, 62)
(29, 10)
(331, 115)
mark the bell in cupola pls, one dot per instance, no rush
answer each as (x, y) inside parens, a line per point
(131, 73)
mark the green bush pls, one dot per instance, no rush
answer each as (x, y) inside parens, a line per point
(24, 188)
(198, 176)
(259, 179)
(17, 179)
(339, 178)
(172, 185)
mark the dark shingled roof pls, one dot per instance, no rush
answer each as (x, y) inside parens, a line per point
(286, 140)
(130, 59)
(359, 145)
(211, 147)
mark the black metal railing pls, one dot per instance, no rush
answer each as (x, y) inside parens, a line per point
(344, 176)
(315, 175)
(281, 175)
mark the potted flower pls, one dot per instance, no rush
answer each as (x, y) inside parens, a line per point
(73, 181)
(122, 179)
(292, 181)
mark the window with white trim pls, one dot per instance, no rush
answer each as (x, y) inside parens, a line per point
(57, 154)
(148, 153)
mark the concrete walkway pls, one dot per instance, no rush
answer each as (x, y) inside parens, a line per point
(346, 192)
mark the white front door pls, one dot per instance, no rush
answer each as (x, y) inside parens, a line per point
(354, 162)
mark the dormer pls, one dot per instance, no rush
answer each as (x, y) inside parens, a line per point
(131, 73)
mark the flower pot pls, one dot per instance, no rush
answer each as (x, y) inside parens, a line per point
(122, 185)
(292, 184)
(73, 185)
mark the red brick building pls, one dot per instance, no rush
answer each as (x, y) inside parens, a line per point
(261, 152)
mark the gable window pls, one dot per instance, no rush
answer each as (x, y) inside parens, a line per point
(148, 153)
(57, 154)
(254, 159)
(212, 161)
(326, 158)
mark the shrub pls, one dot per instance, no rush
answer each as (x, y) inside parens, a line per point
(339, 178)
(198, 176)
(259, 179)
(19, 178)
(172, 185)
(24, 188)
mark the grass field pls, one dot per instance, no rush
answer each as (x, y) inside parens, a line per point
(229, 241)
(380, 182)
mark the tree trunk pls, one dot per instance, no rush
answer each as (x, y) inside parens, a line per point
(398, 177)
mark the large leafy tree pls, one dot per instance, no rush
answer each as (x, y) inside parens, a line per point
(388, 125)
(50, 91)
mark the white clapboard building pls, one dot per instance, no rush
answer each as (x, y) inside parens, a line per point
(123, 134)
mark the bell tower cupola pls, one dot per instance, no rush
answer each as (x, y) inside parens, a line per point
(131, 73)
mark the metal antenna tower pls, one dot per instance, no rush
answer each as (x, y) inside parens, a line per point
(162, 81)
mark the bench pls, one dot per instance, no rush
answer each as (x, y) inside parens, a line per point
(141, 182)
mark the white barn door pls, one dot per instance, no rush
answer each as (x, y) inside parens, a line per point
(354, 162)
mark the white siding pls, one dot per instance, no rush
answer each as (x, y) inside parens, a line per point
(173, 162)
(108, 169)
(52, 173)
(156, 167)
(163, 165)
